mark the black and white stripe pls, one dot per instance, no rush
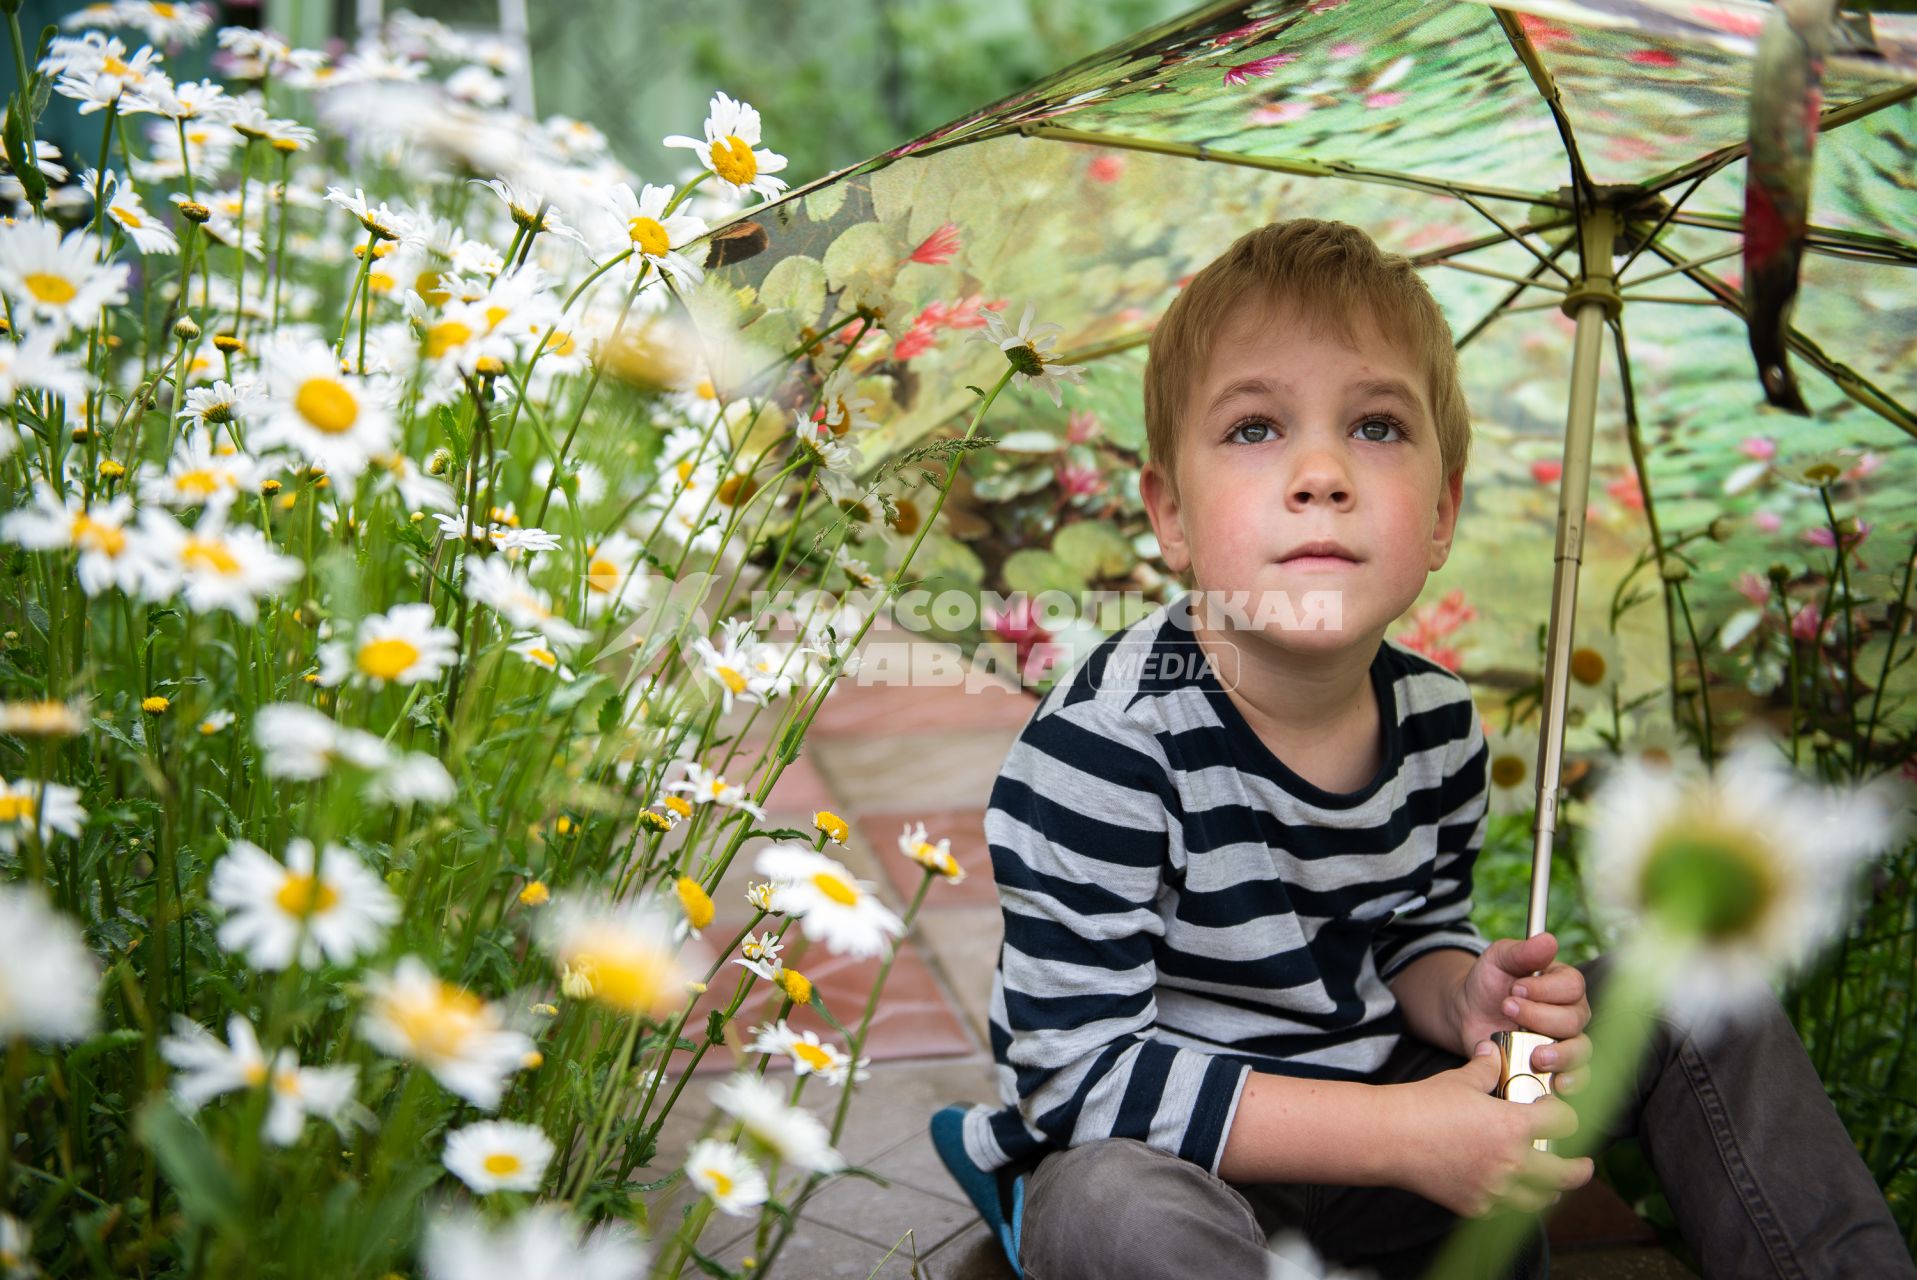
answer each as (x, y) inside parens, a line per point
(1181, 908)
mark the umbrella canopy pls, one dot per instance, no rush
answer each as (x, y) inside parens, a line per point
(1485, 144)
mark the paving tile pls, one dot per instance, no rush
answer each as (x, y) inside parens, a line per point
(965, 828)
(1594, 1215)
(963, 944)
(883, 1215)
(898, 1101)
(1618, 1264)
(818, 1252)
(926, 773)
(914, 1019)
(929, 694)
(914, 1162)
(973, 1254)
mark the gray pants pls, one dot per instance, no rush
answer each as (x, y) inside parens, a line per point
(1760, 1173)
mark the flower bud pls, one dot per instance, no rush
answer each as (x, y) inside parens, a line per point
(437, 464)
(1675, 571)
(227, 343)
(1779, 573)
(194, 211)
(185, 329)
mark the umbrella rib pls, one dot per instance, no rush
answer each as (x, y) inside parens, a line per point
(1829, 240)
(1550, 262)
(1635, 439)
(1433, 256)
(1834, 118)
(1671, 271)
(1547, 87)
(1278, 164)
(1505, 302)
(1531, 283)
(1848, 380)
(1671, 211)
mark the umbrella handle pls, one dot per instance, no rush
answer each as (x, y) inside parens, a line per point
(1518, 1079)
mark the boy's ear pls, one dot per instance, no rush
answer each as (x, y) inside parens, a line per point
(1161, 504)
(1450, 500)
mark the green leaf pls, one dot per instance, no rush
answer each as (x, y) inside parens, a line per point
(1094, 549)
(863, 250)
(21, 158)
(1033, 571)
(796, 284)
(105, 1042)
(716, 1026)
(204, 1184)
(819, 1003)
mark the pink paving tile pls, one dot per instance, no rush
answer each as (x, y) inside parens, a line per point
(902, 709)
(914, 1018)
(965, 828)
(800, 789)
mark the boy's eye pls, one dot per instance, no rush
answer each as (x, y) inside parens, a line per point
(1379, 422)
(1250, 425)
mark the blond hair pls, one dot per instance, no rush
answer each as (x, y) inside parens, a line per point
(1330, 273)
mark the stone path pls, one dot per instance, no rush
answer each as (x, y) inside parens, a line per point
(882, 756)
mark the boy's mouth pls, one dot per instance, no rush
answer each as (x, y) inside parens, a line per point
(1324, 553)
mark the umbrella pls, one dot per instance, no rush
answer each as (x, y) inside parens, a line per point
(1574, 178)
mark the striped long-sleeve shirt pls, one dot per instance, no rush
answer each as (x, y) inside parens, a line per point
(1182, 909)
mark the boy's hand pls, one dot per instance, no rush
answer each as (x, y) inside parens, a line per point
(1457, 1144)
(1500, 994)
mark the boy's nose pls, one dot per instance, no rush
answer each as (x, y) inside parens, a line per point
(1321, 478)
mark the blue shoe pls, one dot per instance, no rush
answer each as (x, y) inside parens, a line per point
(998, 1195)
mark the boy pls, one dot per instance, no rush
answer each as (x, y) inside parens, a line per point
(1239, 989)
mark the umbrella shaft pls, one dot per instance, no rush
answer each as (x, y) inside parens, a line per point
(1588, 302)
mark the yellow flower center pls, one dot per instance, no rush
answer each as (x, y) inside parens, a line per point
(255, 1073)
(832, 825)
(602, 575)
(543, 657)
(626, 974)
(114, 65)
(387, 659)
(91, 535)
(907, 520)
(1710, 881)
(535, 894)
(502, 1164)
(812, 1055)
(17, 807)
(1816, 473)
(287, 1082)
(734, 490)
(201, 481)
(835, 888)
(1587, 666)
(380, 281)
(164, 10)
(125, 217)
(1508, 771)
(446, 335)
(439, 1023)
(327, 404)
(732, 159)
(685, 472)
(304, 895)
(649, 236)
(426, 284)
(50, 289)
(797, 987)
(209, 553)
(733, 680)
(693, 897)
(561, 344)
(721, 1185)
(494, 315)
(679, 805)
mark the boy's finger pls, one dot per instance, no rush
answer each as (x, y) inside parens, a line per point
(1524, 956)
(1565, 1055)
(1558, 1021)
(1558, 984)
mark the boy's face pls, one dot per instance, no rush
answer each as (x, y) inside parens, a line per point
(1281, 445)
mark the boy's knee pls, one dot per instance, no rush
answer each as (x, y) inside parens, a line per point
(1141, 1198)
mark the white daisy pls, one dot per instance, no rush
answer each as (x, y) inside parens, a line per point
(1028, 350)
(61, 280)
(1735, 876)
(383, 222)
(1511, 769)
(417, 490)
(148, 233)
(109, 555)
(537, 650)
(531, 207)
(809, 1055)
(412, 778)
(727, 1175)
(299, 742)
(728, 665)
(580, 479)
(336, 907)
(707, 787)
(760, 955)
(832, 905)
(504, 589)
(654, 236)
(327, 417)
(842, 410)
(933, 857)
(204, 1068)
(40, 810)
(164, 23)
(47, 974)
(33, 363)
(622, 954)
(543, 1243)
(795, 1136)
(462, 1039)
(201, 473)
(499, 1155)
(194, 100)
(400, 646)
(221, 403)
(1594, 672)
(299, 1092)
(616, 575)
(220, 567)
(731, 149)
